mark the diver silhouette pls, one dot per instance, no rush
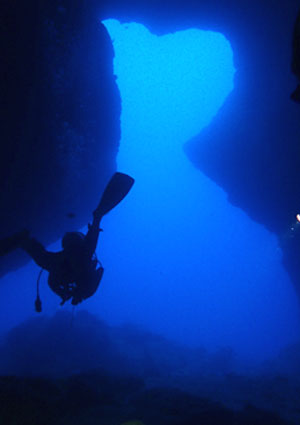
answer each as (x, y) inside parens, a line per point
(75, 272)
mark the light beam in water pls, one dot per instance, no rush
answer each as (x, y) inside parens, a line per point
(176, 82)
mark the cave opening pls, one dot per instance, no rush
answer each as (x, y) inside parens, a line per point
(179, 259)
(211, 273)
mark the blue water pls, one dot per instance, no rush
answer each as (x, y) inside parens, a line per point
(179, 258)
(186, 263)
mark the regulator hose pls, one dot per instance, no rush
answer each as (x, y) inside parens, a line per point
(38, 302)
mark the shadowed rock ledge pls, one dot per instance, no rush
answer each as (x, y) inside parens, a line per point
(60, 127)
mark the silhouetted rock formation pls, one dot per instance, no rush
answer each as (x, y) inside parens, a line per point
(60, 121)
(296, 59)
(85, 365)
(99, 398)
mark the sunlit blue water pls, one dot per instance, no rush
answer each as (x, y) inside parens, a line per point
(185, 262)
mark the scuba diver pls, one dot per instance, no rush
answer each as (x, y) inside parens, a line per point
(75, 273)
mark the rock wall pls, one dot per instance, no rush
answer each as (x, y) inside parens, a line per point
(61, 121)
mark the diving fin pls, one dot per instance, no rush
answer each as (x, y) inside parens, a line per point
(115, 191)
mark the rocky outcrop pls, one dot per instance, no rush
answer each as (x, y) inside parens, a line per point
(61, 118)
(118, 374)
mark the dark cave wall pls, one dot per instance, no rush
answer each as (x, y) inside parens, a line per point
(61, 121)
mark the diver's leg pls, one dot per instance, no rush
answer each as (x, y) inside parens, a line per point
(92, 235)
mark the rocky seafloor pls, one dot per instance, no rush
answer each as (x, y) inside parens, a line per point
(60, 370)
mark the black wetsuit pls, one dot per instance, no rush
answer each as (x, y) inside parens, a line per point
(72, 274)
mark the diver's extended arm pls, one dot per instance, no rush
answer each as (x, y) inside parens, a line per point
(38, 253)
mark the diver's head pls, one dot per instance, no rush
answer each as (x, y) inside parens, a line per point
(72, 241)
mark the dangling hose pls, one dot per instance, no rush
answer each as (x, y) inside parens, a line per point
(38, 302)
